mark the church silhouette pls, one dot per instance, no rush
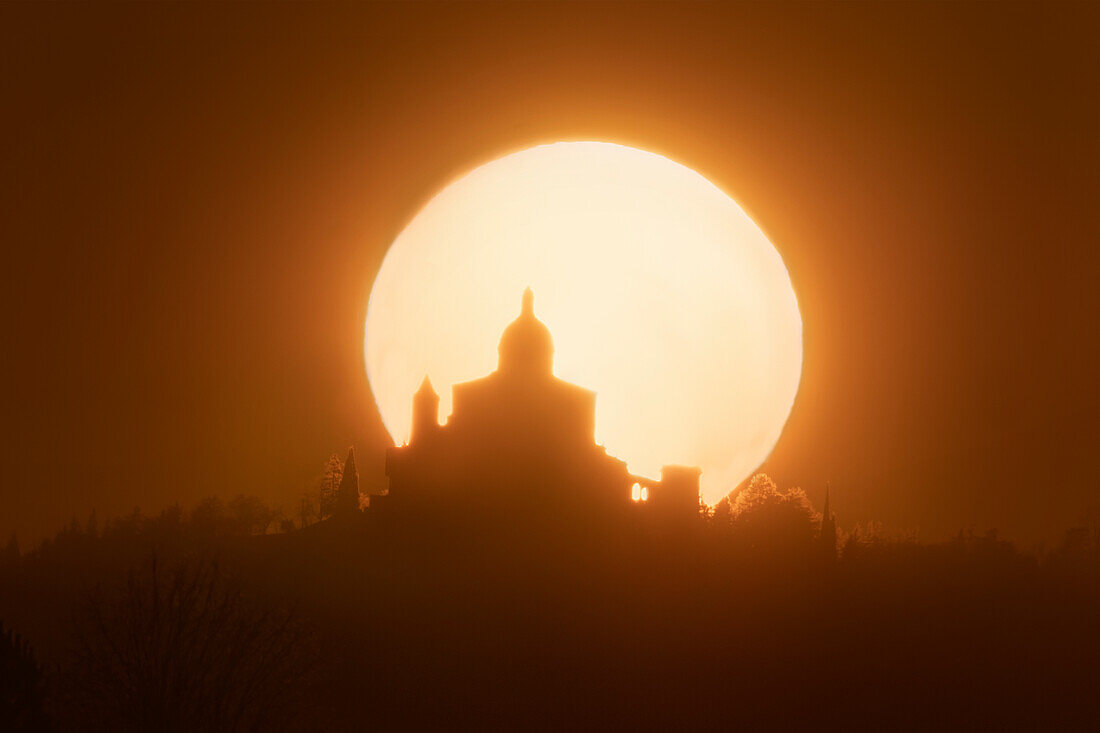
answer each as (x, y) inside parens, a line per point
(521, 442)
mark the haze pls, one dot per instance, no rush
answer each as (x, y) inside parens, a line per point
(197, 204)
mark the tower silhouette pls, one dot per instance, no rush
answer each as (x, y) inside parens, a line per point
(425, 418)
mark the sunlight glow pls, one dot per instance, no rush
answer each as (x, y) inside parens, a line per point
(662, 295)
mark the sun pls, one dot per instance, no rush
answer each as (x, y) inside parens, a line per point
(662, 295)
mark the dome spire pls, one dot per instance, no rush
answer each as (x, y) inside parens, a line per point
(526, 348)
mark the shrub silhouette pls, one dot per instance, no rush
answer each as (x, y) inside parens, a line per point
(184, 650)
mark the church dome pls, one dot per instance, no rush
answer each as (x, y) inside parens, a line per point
(526, 347)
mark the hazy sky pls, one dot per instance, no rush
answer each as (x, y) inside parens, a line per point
(196, 199)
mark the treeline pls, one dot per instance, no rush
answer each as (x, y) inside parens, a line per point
(212, 518)
(240, 516)
(760, 515)
(214, 619)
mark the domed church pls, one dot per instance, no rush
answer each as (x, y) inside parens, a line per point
(522, 440)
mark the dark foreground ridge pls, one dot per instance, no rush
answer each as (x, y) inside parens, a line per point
(188, 622)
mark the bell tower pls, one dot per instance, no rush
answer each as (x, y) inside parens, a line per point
(425, 418)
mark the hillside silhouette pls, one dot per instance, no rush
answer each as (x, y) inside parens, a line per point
(738, 621)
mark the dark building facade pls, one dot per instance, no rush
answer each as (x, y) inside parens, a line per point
(520, 440)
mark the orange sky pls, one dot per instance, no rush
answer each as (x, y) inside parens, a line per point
(196, 199)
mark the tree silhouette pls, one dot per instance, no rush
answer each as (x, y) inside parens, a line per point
(183, 650)
(249, 515)
(346, 501)
(766, 517)
(209, 515)
(331, 477)
(21, 685)
(10, 554)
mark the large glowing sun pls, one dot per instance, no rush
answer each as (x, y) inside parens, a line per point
(662, 295)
